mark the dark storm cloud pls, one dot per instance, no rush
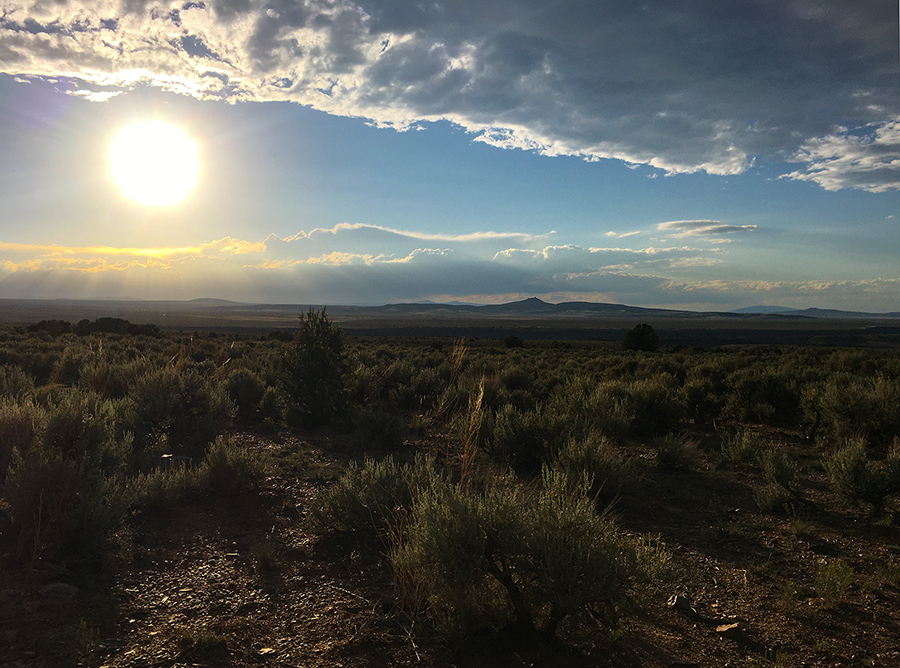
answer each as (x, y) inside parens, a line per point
(701, 86)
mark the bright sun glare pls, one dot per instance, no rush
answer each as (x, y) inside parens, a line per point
(154, 163)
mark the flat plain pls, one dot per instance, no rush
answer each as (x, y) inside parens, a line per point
(192, 496)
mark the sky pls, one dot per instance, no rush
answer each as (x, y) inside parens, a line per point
(692, 154)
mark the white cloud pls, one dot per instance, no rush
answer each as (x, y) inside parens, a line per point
(249, 271)
(685, 88)
(701, 228)
(869, 161)
(362, 238)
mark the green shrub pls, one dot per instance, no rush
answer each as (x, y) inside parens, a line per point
(846, 406)
(700, 400)
(779, 469)
(82, 425)
(162, 488)
(368, 497)
(742, 447)
(673, 452)
(229, 468)
(513, 341)
(41, 491)
(595, 461)
(427, 387)
(174, 410)
(515, 377)
(313, 372)
(756, 394)
(583, 407)
(453, 399)
(520, 439)
(771, 498)
(67, 369)
(654, 405)
(246, 389)
(780, 473)
(15, 383)
(110, 380)
(22, 425)
(854, 476)
(889, 573)
(504, 558)
(833, 580)
(203, 646)
(55, 504)
(379, 428)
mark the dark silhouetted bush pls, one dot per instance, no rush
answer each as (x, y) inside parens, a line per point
(22, 425)
(56, 505)
(52, 327)
(641, 337)
(82, 425)
(379, 428)
(246, 390)
(176, 411)
(513, 341)
(518, 439)
(313, 372)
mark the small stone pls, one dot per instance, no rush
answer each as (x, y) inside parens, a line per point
(59, 590)
(732, 630)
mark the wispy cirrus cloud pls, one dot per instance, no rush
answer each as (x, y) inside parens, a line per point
(379, 231)
(701, 228)
(225, 246)
(391, 243)
(572, 259)
(680, 87)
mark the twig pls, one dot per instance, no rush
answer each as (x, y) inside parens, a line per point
(413, 643)
(341, 589)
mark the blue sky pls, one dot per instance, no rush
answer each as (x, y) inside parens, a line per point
(699, 154)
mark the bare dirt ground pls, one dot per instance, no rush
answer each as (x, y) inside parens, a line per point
(239, 582)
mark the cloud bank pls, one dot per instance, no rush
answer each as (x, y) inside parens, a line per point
(682, 87)
(342, 265)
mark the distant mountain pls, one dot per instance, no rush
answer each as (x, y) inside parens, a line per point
(834, 313)
(430, 302)
(821, 313)
(534, 307)
(210, 302)
(760, 310)
(576, 313)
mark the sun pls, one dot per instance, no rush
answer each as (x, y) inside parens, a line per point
(154, 163)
